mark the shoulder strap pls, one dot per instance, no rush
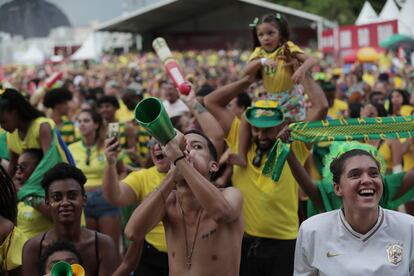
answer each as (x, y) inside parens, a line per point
(40, 244)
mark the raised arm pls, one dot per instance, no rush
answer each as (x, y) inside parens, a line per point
(318, 100)
(217, 101)
(307, 63)
(222, 206)
(300, 174)
(45, 137)
(118, 194)
(208, 122)
(305, 181)
(152, 210)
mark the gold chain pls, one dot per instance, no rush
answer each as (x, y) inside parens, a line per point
(189, 253)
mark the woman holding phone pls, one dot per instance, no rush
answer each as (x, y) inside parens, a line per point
(90, 158)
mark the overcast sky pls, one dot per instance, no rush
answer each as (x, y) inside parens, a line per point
(83, 12)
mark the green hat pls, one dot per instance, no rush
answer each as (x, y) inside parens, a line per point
(264, 116)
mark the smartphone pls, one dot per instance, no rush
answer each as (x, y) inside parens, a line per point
(113, 130)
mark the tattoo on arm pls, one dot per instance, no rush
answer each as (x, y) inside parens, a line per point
(199, 108)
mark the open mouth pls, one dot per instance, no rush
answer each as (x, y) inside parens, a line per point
(366, 192)
(159, 156)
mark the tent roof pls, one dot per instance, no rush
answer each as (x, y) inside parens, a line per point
(33, 55)
(167, 12)
(367, 15)
(88, 50)
(406, 18)
(390, 11)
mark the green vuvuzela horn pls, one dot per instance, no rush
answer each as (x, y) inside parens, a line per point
(61, 269)
(151, 114)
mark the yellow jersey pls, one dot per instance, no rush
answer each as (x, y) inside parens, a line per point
(143, 182)
(279, 80)
(270, 207)
(11, 250)
(90, 161)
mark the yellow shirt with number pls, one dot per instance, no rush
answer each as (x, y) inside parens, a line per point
(279, 80)
(143, 182)
(270, 208)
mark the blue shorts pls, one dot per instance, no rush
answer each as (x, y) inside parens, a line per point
(97, 206)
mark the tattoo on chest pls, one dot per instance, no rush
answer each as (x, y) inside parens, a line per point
(208, 234)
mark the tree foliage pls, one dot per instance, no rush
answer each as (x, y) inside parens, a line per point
(344, 12)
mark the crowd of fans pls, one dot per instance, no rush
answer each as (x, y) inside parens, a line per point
(105, 190)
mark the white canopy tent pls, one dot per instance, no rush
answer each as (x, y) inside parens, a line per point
(32, 56)
(390, 11)
(367, 15)
(406, 19)
(90, 49)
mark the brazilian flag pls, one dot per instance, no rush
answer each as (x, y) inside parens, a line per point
(57, 153)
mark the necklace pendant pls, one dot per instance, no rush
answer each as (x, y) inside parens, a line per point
(188, 264)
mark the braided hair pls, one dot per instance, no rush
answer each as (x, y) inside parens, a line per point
(8, 198)
(11, 99)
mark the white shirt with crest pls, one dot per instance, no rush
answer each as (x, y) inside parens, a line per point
(327, 245)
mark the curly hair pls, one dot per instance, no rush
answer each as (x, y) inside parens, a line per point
(63, 171)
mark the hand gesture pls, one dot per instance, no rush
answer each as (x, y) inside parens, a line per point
(368, 111)
(284, 134)
(112, 150)
(175, 147)
(188, 99)
(269, 65)
(298, 76)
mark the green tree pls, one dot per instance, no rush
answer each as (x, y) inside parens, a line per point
(344, 12)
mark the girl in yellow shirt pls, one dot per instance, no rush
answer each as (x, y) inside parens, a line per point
(280, 64)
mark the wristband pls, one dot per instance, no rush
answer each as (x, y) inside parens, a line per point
(262, 61)
(397, 168)
(178, 159)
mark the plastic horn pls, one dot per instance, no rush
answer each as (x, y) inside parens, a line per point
(50, 81)
(40, 91)
(78, 270)
(61, 269)
(151, 114)
(163, 52)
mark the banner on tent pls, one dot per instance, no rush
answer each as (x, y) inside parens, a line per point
(352, 37)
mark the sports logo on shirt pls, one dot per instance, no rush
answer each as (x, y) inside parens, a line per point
(395, 253)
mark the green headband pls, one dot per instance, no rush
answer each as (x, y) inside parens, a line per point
(256, 20)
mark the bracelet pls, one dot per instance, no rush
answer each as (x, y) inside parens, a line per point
(178, 159)
(262, 61)
(162, 195)
(397, 168)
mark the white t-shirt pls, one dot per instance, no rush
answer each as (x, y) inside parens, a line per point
(327, 245)
(175, 109)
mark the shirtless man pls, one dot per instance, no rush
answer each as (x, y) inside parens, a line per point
(65, 198)
(203, 224)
